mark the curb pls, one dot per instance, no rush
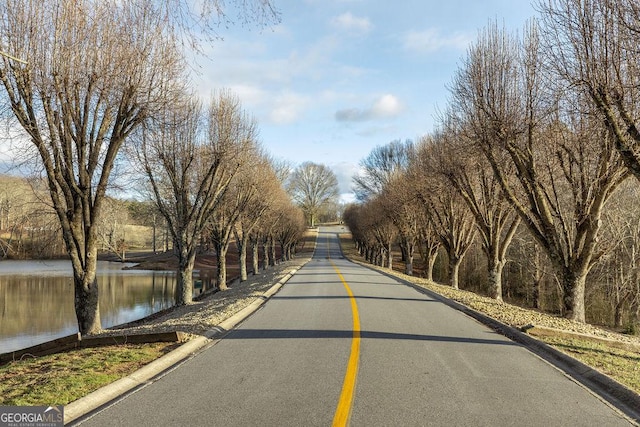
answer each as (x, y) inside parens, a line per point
(154, 370)
(616, 394)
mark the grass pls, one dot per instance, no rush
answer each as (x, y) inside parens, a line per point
(620, 364)
(59, 379)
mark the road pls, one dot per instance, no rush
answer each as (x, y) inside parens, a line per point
(342, 344)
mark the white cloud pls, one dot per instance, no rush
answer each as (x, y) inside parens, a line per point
(348, 22)
(250, 95)
(345, 171)
(386, 106)
(287, 108)
(429, 41)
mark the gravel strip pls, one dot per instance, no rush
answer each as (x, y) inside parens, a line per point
(513, 315)
(206, 313)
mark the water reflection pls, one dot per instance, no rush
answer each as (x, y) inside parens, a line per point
(36, 299)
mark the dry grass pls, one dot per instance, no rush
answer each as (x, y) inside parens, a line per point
(59, 379)
(620, 364)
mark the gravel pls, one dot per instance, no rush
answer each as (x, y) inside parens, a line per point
(516, 316)
(204, 314)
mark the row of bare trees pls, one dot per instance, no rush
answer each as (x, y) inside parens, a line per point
(539, 135)
(211, 182)
(82, 77)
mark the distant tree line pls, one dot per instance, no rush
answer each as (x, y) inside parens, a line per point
(528, 170)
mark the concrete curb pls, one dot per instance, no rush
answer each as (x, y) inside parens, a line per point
(147, 374)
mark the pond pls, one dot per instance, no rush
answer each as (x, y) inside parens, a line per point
(36, 299)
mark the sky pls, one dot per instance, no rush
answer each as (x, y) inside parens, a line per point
(337, 78)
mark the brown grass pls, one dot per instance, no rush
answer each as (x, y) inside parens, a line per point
(59, 379)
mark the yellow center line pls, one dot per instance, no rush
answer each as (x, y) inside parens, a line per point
(343, 410)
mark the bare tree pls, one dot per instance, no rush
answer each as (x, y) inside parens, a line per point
(262, 235)
(79, 76)
(311, 186)
(290, 228)
(380, 166)
(94, 71)
(593, 46)
(190, 158)
(565, 165)
(372, 232)
(398, 203)
(383, 178)
(277, 199)
(444, 208)
(428, 243)
(619, 271)
(268, 191)
(351, 218)
(464, 166)
(237, 199)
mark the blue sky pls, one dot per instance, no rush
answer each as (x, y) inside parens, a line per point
(337, 78)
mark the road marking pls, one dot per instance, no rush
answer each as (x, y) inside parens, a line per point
(343, 411)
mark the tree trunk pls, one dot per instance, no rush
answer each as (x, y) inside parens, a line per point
(265, 250)
(272, 246)
(618, 314)
(86, 299)
(408, 266)
(389, 256)
(536, 293)
(242, 257)
(537, 278)
(82, 247)
(185, 278)
(221, 279)
(494, 277)
(454, 268)
(431, 262)
(573, 284)
(255, 261)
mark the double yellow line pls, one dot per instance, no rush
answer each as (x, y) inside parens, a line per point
(343, 411)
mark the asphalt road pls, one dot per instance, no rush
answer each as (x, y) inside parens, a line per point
(388, 356)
